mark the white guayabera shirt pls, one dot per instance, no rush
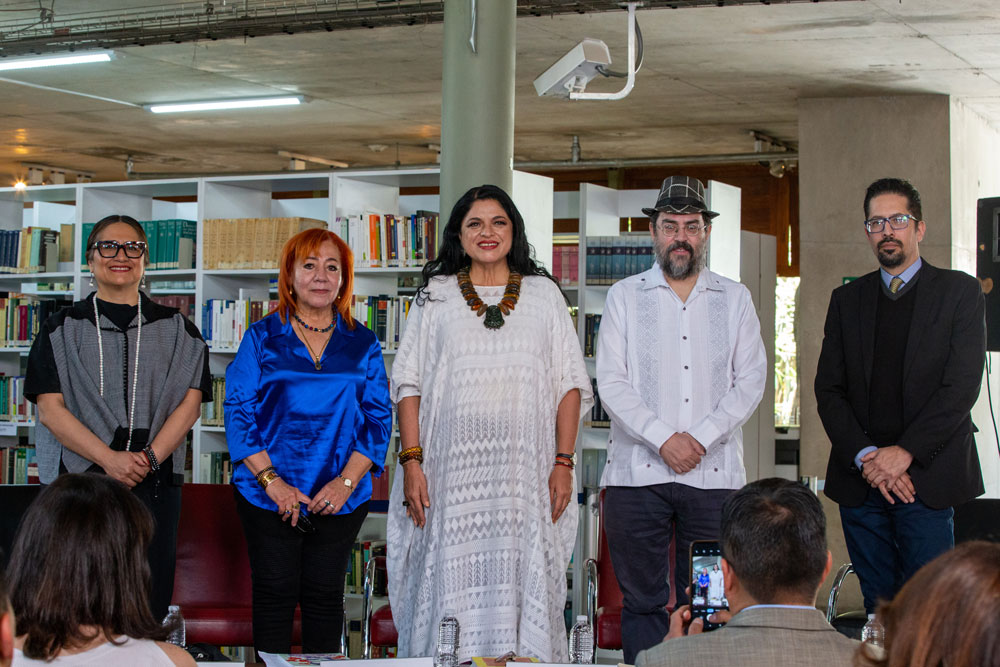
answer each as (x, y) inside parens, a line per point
(666, 366)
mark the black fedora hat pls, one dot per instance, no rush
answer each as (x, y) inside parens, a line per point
(681, 194)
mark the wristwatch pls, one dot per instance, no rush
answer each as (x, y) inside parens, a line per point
(347, 482)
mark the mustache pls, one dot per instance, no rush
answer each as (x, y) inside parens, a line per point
(680, 245)
(887, 241)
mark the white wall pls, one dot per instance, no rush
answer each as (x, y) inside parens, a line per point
(975, 173)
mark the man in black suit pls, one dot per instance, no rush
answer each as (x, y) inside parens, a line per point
(900, 369)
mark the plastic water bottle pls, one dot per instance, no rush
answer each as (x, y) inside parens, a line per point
(447, 644)
(873, 634)
(177, 635)
(581, 642)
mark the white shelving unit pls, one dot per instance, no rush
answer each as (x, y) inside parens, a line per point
(335, 194)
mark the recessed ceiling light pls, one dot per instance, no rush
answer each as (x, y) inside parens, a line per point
(52, 61)
(218, 105)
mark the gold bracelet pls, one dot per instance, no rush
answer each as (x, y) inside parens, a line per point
(268, 478)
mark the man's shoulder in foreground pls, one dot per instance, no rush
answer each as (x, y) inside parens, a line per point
(764, 636)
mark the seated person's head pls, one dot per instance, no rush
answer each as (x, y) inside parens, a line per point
(78, 569)
(948, 613)
(6, 627)
(773, 538)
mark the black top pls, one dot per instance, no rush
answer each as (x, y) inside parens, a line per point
(892, 331)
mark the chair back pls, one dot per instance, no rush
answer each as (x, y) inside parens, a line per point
(212, 577)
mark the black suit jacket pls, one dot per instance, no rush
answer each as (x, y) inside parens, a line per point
(942, 373)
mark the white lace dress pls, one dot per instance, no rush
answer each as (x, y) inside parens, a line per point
(488, 398)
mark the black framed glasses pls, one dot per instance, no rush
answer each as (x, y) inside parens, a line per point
(897, 222)
(670, 229)
(109, 249)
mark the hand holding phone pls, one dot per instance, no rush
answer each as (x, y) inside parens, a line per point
(708, 594)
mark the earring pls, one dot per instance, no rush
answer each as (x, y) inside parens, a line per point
(142, 283)
(92, 280)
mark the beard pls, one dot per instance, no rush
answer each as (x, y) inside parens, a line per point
(680, 268)
(890, 261)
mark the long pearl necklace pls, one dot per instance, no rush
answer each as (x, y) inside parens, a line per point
(135, 373)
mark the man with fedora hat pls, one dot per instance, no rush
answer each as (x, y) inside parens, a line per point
(680, 367)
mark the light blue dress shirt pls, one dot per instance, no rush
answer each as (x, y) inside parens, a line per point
(309, 421)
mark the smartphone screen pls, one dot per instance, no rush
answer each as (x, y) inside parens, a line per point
(708, 593)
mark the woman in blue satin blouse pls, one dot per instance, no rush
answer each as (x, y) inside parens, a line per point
(308, 416)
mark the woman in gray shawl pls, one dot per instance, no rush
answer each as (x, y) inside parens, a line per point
(119, 381)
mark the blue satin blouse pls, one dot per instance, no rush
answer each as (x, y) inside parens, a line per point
(309, 421)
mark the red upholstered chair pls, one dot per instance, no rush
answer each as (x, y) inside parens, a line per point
(212, 576)
(604, 598)
(377, 627)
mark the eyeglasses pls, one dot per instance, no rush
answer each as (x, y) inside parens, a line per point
(109, 249)
(897, 222)
(670, 229)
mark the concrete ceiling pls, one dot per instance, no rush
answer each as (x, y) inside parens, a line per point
(710, 75)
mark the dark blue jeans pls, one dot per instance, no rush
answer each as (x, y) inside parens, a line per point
(639, 522)
(888, 543)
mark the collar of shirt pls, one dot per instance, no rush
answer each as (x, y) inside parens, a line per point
(905, 275)
(706, 280)
(779, 606)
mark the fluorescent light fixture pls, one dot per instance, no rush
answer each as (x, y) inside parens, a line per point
(52, 61)
(217, 105)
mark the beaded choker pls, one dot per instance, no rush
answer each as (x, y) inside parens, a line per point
(316, 329)
(494, 314)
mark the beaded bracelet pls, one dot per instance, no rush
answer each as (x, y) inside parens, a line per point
(412, 454)
(154, 463)
(562, 462)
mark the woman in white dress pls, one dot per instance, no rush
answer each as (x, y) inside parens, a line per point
(715, 592)
(489, 382)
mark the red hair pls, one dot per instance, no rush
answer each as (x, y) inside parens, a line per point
(306, 244)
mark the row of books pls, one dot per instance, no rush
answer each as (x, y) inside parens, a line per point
(182, 302)
(591, 326)
(384, 315)
(361, 553)
(212, 412)
(611, 258)
(13, 406)
(170, 243)
(598, 417)
(566, 264)
(216, 468)
(224, 321)
(250, 243)
(21, 317)
(389, 240)
(18, 465)
(29, 250)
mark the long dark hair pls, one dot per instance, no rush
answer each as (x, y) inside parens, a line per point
(79, 559)
(451, 258)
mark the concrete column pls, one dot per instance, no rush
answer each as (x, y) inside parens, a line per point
(844, 145)
(477, 97)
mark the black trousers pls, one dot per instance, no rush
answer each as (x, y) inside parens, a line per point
(640, 522)
(292, 568)
(163, 498)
